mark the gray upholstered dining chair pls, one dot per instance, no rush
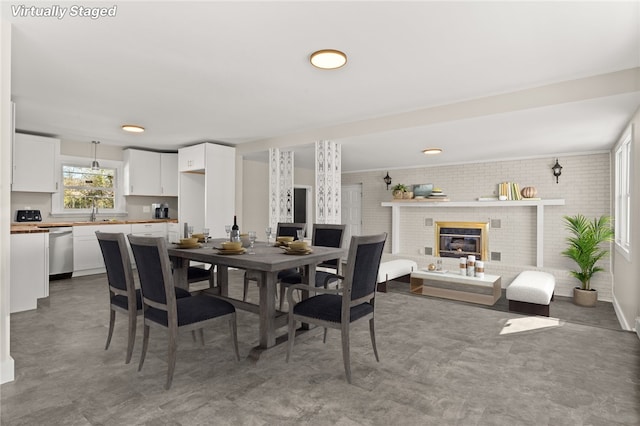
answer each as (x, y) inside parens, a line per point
(122, 289)
(326, 235)
(284, 229)
(354, 300)
(161, 309)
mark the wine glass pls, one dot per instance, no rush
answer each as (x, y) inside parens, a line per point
(300, 234)
(267, 231)
(205, 232)
(190, 231)
(252, 239)
(227, 229)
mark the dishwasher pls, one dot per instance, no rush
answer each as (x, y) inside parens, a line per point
(60, 252)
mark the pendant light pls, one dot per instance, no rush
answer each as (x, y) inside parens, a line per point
(95, 165)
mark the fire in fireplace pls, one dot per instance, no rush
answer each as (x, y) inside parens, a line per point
(461, 239)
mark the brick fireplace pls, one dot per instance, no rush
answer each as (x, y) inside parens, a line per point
(461, 239)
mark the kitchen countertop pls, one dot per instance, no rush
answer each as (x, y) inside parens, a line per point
(35, 227)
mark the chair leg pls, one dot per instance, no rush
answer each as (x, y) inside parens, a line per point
(345, 351)
(246, 288)
(233, 328)
(283, 289)
(171, 357)
(132, 335)
(145, 344)
(372, 331)
(112, 321)
(292, 335)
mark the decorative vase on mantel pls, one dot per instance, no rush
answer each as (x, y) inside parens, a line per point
(587, 298)
(529, 192)
(397, 194)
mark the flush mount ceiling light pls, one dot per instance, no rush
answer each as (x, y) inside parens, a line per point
(431, 151)
(133, 128)
(328, 59)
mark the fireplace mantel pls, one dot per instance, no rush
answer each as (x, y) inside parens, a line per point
(538, 204)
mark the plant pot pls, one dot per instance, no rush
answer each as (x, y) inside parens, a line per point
(586, 298)
(397, 194)
(408, 195)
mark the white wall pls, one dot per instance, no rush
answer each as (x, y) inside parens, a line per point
(626, 281)
(6, 362)
(584, 184)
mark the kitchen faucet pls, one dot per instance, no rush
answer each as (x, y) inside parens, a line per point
(94, 210)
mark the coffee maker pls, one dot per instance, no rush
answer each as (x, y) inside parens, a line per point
(160, 210)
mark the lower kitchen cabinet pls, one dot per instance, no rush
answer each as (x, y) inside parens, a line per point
(87, 257)
(29, 270)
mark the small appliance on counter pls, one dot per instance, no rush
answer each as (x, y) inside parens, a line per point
(160, 210)
(28, 216)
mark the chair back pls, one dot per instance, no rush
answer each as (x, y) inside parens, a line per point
(328, 235)
(118, 263)
(289, 229)
(361, 274)
(154, 270)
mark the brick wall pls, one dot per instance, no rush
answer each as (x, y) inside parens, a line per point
(584, 185)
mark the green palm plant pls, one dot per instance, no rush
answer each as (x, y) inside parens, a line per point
(584, 245)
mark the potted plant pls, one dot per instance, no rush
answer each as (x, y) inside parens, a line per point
(584, 248)
(399, 190)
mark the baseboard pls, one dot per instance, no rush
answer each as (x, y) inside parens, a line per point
(621, 319)
(7, 371)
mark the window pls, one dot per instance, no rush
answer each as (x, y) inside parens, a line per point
(623, 194)
(82, 186)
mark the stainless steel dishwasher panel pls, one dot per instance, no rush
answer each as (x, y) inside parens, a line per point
(60, 252)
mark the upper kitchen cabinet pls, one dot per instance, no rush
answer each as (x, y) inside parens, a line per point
(192, 158)
(169, 174)
(150, 173)
(34, 163)
(207, 187)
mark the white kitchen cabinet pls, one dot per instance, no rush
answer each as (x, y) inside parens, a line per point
(173, 232)
(29, 270)
(141, 172)
(169, 174)
(192, 158)
(207, 198)
(153, 229)
(34, 163)
(87, 257)
(150, 173)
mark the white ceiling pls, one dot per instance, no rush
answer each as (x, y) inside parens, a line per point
(482, 80)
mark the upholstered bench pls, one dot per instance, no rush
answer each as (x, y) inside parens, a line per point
(531, 292)
(399, 269)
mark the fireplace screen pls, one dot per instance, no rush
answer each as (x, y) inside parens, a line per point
(460, 239)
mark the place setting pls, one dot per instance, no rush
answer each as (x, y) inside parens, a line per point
(231, 248)
(299, 248)
(188, 243)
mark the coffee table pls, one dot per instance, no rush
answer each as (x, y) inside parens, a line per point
(448, 285)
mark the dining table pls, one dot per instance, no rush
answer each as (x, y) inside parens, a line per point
(263, 265)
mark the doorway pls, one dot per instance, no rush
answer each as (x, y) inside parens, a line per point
(302, 210)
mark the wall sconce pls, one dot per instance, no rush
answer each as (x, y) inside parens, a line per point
(557, 170)
(387, 180)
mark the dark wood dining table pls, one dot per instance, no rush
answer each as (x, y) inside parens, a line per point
(264, 265)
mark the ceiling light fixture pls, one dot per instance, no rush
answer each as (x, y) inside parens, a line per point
(133, 128)
(95, 165)
(431, 151)
(328, 59)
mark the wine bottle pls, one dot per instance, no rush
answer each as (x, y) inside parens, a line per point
(235, 230)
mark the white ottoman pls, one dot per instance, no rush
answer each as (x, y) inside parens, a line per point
(399, 269)
(531, 292)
